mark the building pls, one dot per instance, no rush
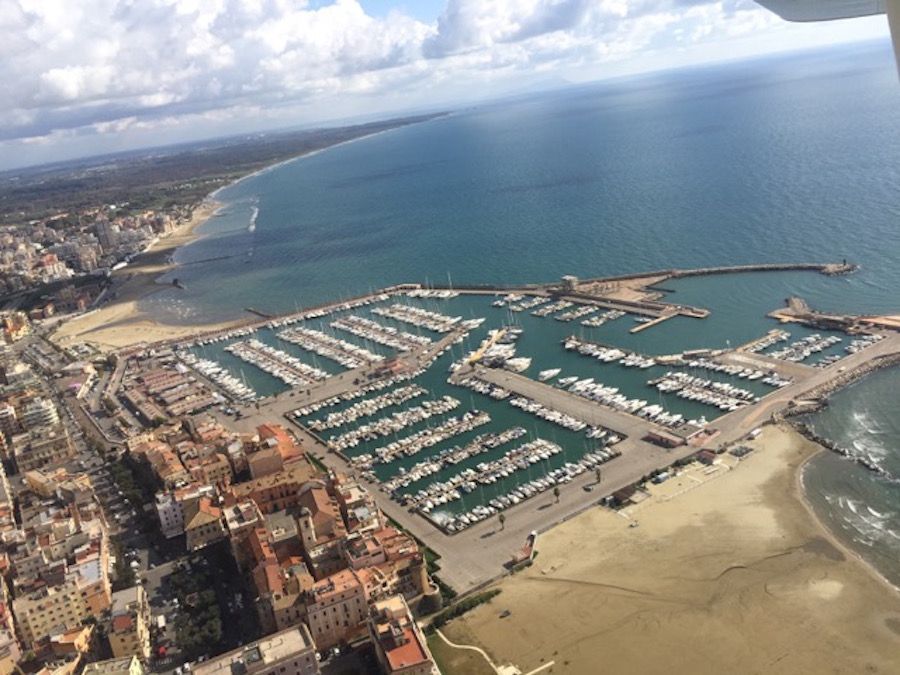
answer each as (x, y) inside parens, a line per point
(9, 424)
(388, 562)
(569, 283)
(290, 652)
(400, 646)
(170, 507)
(9, 651)
(170, 514)
(108, 236)
(40, 412)
(129, 631)
(40, 612)
(337, 607)
(202, 524)
(71, 642)
(214, 469)
(277, 491)
(127, 665)
(276, 449)
(15, 325)
(42, 447)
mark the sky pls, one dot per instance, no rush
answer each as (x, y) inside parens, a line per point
(89, 77)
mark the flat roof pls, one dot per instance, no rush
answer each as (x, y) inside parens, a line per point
(110, 666)
(270, 649)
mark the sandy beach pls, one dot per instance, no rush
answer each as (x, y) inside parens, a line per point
(119, 322)
(727, 570)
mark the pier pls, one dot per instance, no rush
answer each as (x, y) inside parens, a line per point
(633, 428)
(653, 322)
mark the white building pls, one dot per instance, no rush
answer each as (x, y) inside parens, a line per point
(170, 507)
(40, 412)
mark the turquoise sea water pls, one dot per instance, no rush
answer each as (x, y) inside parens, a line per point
(794, 158)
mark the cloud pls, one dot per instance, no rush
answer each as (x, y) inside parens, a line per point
(113, 67)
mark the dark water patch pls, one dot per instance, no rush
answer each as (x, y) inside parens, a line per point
(822, 547)
(396, 172)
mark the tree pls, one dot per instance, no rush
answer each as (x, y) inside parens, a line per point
(502, 521)
(556, 493)
(598, 473)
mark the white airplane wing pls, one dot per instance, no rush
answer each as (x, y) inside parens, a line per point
(827, 10)
(823, 10)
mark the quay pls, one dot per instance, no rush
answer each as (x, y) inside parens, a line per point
(653, 322)
(631, 427)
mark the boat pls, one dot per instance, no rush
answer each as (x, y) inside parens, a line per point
(545, 375)
(518, 364)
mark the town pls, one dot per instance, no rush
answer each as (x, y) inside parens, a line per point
(71, 255)
(185, 540)
(162, 513)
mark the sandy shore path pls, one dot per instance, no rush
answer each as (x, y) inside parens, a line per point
(120, 321)
(726, 571)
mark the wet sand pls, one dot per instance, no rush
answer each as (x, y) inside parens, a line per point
(728, 572)
(119, 322)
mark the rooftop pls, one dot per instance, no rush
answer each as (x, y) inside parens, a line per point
(111, 667)
(271, 649)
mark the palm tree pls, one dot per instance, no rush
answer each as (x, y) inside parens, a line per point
(556, 493)
(598, 473)
(502, 520)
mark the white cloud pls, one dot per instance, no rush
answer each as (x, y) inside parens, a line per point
(113, 67)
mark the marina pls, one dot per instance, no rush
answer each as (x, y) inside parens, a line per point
(366, 407)
(602, 394)
(383, 335)
(418, 317)
(289, 369)
(391, 425)
(340, 351)
(426, 438)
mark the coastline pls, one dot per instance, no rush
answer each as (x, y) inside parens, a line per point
(732, 570)
(284, 162)
(121, 323)
(803, 495)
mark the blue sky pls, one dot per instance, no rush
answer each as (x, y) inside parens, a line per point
(98, 76)
(423, 10)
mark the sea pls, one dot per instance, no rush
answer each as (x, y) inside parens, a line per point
(789, 158)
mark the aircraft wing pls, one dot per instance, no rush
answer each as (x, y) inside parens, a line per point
(823, 10)
(827, 10)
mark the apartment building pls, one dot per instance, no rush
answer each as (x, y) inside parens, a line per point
(127, 665)
(38, 613)
(337, 608)
(129, 631)
(42, 447)
(289, 652)
(203, 524)
(400, 646)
